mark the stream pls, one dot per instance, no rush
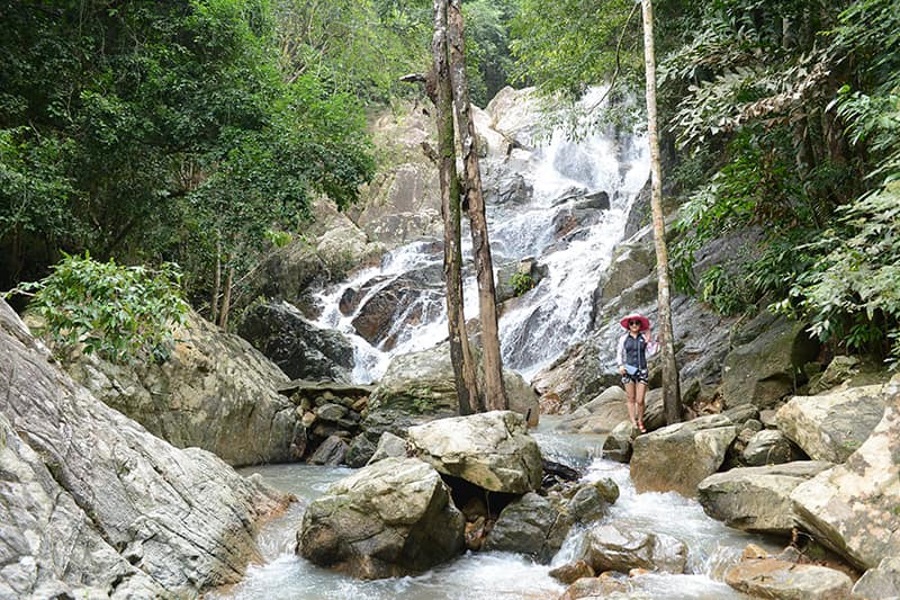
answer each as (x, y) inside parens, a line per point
(496, 575)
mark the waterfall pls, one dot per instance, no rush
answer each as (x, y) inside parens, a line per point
(557, 225)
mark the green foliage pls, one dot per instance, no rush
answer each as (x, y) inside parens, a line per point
(723, 291)
(521, 283)
(163, 129)
(121, 313)
(852, 295)
(569, 45)
(361, 47)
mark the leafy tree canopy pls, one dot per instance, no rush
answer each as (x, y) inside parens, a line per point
(147, 129)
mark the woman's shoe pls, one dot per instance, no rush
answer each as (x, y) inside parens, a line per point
(642, 428)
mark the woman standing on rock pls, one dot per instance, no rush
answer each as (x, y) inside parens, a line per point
(635, 346)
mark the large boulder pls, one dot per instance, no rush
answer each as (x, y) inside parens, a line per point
(93, 505)
(389, 519)
(768, 366)
(784, 580)
(215, 392)
(832, 426)
(678, 457)
(756, 499)
(611, 547)
(491, 450)
(301, 349)
(601, 415)
(852, 508)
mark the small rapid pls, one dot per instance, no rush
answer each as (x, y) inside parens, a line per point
(713, 547)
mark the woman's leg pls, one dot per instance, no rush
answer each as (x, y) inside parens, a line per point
(630, 400)
(640, 390)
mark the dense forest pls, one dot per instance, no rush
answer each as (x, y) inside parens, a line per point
(198, 133)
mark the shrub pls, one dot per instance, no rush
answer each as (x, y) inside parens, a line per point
(521, 283)
(121, 313)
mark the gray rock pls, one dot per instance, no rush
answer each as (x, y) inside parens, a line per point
(491, 450)
(756, 499)
(852, 508)
(832, 426)
(678, 457)
(782, 580)
(531, 525)
(389, 519)
(612, 548)
(765, 369)
(94, 505)
(301, 349)
(881, 582)
(770, 447)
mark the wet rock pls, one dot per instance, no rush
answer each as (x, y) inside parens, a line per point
(782, 580)
(389, 519)
(612, 548)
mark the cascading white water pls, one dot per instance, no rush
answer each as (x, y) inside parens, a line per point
(556, 313)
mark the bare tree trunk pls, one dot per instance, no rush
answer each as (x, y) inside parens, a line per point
(671, 386)
(226, 299)
(494, 390)
(441, 95)
(217, 285)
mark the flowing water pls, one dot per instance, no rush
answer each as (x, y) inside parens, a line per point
(549, 318)
(496, 575)
(543, 323)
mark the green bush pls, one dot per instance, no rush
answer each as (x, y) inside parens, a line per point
(521, 283)
(121, 313)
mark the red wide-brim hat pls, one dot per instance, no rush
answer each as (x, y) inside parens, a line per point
(645, 322)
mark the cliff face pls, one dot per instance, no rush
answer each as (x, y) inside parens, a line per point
(93, 505)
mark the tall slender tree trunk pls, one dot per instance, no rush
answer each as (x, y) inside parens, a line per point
(217, 285)
(494, 390)
(671, 385)
(226, 299)
(441, 95)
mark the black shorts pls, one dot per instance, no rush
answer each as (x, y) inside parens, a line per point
(640, 376)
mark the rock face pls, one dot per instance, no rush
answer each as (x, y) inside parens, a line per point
(491, 450)
(299, 348)
(93, 505)
(216, 392)
(764, 369)
(852, 508)
(389, 519)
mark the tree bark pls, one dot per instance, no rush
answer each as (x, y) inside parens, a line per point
(494, 390)
(226, 299)
(671, 385)
(439, 91)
